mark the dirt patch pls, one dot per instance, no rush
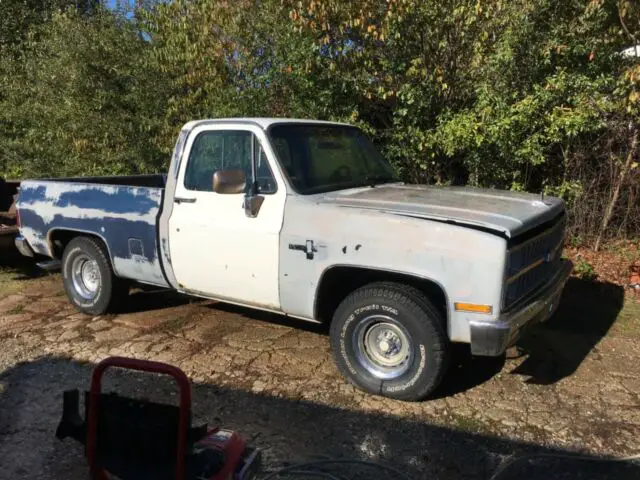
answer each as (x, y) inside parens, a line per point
(616, 263)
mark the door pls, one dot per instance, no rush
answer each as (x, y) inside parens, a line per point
(216, 249)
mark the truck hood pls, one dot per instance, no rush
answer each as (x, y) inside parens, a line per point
(509, 213)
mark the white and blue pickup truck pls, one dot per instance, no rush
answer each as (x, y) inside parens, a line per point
(306, 219)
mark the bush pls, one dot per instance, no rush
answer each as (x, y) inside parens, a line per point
(585, 270)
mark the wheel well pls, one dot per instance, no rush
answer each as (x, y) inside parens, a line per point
(59, 239)
(338, 282)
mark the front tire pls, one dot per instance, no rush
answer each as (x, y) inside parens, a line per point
(88, 277)
(389, 339)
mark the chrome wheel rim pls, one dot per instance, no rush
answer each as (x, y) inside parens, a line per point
(85, 276)
(382, 347)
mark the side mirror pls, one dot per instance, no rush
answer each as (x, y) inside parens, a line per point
(229, 181)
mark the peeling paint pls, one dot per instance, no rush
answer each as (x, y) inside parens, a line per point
(37, 240)
(447, 254)
(113, 213)
(165, 251)
(510, 213)
(139, 268)
(167, 208)
(49, 199)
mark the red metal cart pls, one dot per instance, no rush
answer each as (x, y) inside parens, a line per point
(138, 439)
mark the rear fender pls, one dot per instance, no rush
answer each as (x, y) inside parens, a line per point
(75, 233)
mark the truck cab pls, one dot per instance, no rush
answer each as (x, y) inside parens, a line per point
(306, 218)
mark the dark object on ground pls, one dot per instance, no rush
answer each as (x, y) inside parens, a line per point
(8, 217)
(139, 439)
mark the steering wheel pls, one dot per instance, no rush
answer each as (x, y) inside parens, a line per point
(343, 172)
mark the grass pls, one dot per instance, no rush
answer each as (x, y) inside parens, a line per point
(8, 282)
(14, 269)
(628, 321)
(584, 270)
(469, 424)
(18, 309)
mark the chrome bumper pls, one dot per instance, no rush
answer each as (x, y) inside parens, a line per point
(23, 246)
(492, 338)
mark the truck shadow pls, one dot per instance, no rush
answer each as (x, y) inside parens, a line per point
(276, 319)
(19, 266)
(288, 431)
(145, 299)
(466, 372)
(556, 348)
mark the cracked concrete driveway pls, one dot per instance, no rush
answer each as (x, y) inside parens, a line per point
(576, 389)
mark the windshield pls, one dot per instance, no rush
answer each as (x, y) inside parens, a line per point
(321, 158)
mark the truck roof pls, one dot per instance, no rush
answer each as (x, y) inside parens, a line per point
(263, 122)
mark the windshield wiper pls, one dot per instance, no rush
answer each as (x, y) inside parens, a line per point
(373, 180)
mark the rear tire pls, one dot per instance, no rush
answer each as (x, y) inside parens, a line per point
(88, 277)
(389, 339)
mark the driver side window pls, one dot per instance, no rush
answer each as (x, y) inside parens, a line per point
(226, 149)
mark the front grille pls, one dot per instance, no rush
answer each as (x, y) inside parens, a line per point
(532, 263)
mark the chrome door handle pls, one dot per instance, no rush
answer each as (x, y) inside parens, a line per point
(184, 200)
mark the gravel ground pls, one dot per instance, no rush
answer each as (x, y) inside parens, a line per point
(577, 390)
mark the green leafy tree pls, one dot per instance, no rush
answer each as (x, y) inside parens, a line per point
(21, 16)
(80, 100)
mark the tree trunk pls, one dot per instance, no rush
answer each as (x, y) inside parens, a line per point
(616, 190)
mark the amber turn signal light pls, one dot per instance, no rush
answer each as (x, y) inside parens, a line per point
(472, 307)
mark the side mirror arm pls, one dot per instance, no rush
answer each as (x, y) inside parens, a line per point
(252, 204)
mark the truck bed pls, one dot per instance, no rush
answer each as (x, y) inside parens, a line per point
(122, 211)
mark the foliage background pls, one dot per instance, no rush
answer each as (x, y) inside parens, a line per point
(520, 94)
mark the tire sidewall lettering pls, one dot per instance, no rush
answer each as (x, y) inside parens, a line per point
(343, 345)
(376, 307)
(421, 365)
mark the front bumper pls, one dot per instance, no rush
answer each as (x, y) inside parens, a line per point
(23, 246)
(492, 338)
